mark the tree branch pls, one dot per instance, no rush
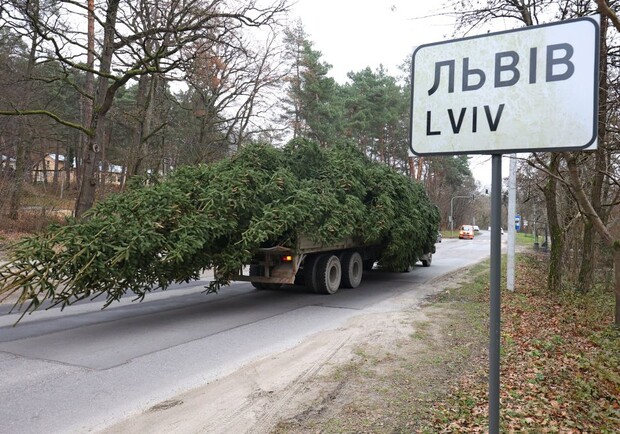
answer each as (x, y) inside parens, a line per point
(604, 9)
(49, 114)
(585, 204)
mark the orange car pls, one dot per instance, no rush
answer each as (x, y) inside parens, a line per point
(466, 232)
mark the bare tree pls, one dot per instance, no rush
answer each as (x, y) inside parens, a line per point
(132, 39)
(582, 170)
(25, 88)
(232, 94)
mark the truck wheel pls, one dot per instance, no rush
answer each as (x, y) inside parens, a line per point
(327, 274)
(352, 268)
(309, 271)
(255, 270)
(427, 261)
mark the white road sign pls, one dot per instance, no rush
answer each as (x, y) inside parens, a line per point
(530, 89)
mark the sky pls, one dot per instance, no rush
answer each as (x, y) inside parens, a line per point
(354, 34)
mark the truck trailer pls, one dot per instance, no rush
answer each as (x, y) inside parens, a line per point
(321, 268)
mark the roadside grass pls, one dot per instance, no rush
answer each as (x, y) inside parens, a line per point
(523, 239)
(560, 366)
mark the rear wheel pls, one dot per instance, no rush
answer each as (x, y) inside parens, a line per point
(327, 274)
(309, 271)
(255, 270)
(426, 262)
(352, 268)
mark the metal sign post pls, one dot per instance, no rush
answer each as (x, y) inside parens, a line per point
(495, 292)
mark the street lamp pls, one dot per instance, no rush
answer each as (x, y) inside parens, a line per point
(471, 196)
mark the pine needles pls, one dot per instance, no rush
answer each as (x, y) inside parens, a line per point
(216, 216)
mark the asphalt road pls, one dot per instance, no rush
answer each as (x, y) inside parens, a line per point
(84, 368)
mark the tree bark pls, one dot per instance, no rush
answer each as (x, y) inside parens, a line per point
(85, 169)
(588, 210)
(617, 283)
(21, 157)
(101, 106)
(586, 268)
(23, 144)
(556, 263)
(586, 271)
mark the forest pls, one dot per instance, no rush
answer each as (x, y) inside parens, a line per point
(97, 95)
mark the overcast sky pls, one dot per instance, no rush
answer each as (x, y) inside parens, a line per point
(354, 34)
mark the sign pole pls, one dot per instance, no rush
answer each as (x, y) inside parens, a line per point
(512, 206)
(495, 292)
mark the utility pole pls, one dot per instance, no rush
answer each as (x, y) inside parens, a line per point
(512, 199)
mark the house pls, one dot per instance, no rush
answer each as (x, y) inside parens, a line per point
(113, 175)
(50, 168)
(7, 167)
(7, 162)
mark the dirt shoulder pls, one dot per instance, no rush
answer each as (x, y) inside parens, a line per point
(381, 372)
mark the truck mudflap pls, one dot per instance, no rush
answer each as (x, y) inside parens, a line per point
(276, 264)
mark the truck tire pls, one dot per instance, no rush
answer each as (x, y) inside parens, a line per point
(327, 274)
(257, 270)
(309, 271)
(352, 269)
(427, 261)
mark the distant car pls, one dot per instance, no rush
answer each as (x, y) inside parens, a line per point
(476, 228)
(438, 237)
(466, 232)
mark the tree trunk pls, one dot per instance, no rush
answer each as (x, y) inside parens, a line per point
(56, 165)
(102, 104)
(556, 264)
(24, 144)
(604, 233)
(142, 129)
(617, 283)
(21, 157)
(586, 271)
(87, 183)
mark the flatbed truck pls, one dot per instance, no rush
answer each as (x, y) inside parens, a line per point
(321, 268)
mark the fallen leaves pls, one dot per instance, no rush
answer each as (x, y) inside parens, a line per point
(560, 365)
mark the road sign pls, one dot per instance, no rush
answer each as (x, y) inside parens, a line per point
(525, 90)
(529, 89)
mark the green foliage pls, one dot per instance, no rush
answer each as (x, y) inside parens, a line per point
(319, 98)
(216, 216)
(453, 170)
(372, 109)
